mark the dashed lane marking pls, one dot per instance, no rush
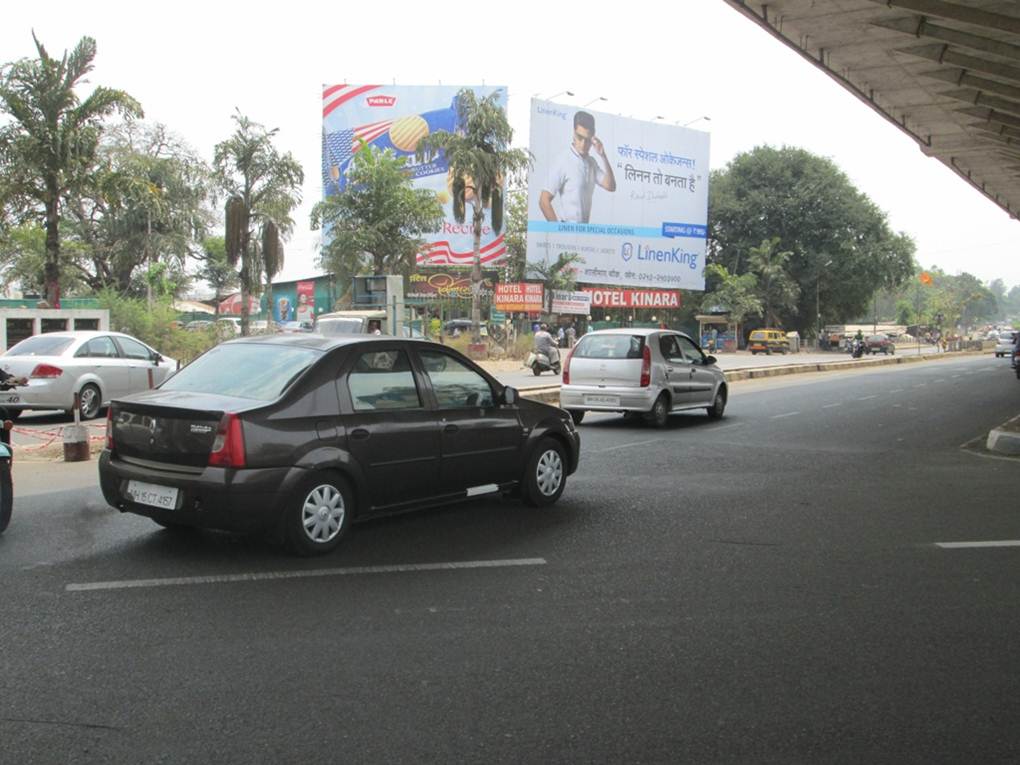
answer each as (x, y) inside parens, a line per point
(781, 416)
(830, 406)
(623, 446)
(965, 545)
(128, 584)
(867, 398)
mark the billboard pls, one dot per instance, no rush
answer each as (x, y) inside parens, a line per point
(519, 297)
(442, 285)
(614, 298)
(564, 301)
(397, 117)
(629, 197)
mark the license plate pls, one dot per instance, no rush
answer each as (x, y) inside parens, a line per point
(602, 400)
(152, 494)
(9, 398)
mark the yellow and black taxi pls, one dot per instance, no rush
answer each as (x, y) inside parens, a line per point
(768, 341)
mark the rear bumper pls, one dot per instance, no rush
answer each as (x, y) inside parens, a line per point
(630, 399)
(219, 498)
(39, 394)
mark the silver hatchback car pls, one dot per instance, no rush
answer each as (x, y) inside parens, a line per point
(649, 371)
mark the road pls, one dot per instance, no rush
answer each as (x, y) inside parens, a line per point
(766, 588)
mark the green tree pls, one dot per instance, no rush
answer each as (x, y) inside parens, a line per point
(23, 260)
(734, 294)
(480, 161)
(216, 270)
(560, 274)
(49, 149)
(841, 246)
(378, 220)
(263, 186)
(776, 290)
(516, 235)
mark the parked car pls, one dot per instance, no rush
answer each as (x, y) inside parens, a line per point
(768, 341)
(99, 366)
(648, 371)
(879, 344)
(293, 326)
(198, 325)
(350, 322)
(303, 434)
(229, 326)
(460, 326)
(1004, 345)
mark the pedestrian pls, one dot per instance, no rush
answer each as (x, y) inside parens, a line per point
(571, 335)
(561, 337)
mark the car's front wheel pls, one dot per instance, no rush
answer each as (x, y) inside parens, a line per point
(546, 473)
(718, 405)
(318, 514)
(89, 401)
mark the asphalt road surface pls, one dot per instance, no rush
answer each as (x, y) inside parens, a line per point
(766, 588)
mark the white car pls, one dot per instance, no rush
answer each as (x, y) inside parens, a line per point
(99, 366)
(1004, 345)
(649, 371)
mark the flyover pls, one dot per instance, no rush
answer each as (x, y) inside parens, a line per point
(946, 73)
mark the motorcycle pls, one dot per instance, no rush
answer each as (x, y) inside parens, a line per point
(856, 348)
(540, 361)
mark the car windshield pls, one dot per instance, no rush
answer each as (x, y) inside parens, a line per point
(246, 370)
(610, 347)
(41, 345)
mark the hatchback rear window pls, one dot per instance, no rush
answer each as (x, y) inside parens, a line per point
(41, 345)
(610, 347)
(246, 370)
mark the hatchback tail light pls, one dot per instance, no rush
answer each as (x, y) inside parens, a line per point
(46, 371)
(646, 366)
(228, 448)
(566, 369)
(109, 428)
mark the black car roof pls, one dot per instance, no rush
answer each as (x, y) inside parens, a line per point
(323, 342)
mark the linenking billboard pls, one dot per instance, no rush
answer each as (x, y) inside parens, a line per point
(629, 197)
(397, 118)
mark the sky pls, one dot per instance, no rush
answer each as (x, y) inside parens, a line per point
(195, 63)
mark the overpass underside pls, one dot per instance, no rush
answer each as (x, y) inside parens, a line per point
(946, 73)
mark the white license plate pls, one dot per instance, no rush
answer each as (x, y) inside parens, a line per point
(602, 400)
(9, 398)
(153, 495)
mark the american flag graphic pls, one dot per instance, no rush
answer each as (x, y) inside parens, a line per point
(339, 148)
(441, 254)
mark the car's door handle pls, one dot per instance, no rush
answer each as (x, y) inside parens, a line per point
(451, 428)
(359, 434)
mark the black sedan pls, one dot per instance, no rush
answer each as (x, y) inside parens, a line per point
(303, 434)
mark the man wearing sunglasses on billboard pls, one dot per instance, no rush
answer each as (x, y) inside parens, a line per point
(574, 174)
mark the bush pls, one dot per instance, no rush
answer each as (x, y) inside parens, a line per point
(157, 326)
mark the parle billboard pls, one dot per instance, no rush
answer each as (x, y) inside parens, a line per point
(629, 197)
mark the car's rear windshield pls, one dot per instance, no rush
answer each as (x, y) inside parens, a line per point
(246, 370)
(348, 326)
(41, 345)
(610, 347)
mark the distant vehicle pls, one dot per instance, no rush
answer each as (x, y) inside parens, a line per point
(198, 325)
(350, 322)
(229, 441)
(879, 344)
(99, 366)
(1004, 345)
(459, 326)
(648, 371)
(768, 341)
(229, 324)
(293, 326)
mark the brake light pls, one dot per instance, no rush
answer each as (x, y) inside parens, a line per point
(566, 369)
(46, 371)
(109, 428)
(646, 366)
(228, 448)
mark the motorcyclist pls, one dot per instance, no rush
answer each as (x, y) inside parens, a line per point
(858, 346)
(546, 344)
(8, 381)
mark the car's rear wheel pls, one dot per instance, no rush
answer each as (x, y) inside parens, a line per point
(576, 415)
(90, 400)
(546, 473)
(718, 405)
(318, 514)
(536, 370)
(658, 416)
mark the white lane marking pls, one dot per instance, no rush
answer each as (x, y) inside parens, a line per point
(726, 427)
(896, 390)
(867, 398)
(624, 446)
(830, 406)
(964, 545)
(780, 416)
(956, 377)
(921, 385)
(941, 379)
(487, 488)
(127, 584)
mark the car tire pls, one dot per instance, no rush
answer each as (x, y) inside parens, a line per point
(576, 415)
(14, 414)
(318, 514)
(546, 473)
(90, 401)
(658, 415)
(718, 405)
(536, 370)
(768, 351)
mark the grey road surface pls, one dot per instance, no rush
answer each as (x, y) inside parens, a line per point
(766, 588)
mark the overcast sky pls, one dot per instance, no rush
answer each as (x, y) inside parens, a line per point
(192, 64)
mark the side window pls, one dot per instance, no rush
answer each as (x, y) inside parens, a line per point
(133, 349)
(382, 380)
(691, 351)
(670, 349)
(455, 385)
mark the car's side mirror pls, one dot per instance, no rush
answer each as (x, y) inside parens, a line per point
(156, 358)
(709, 360)
(510, 395)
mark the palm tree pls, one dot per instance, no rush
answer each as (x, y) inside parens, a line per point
(776, 289)
(49, 149)
(480, 161)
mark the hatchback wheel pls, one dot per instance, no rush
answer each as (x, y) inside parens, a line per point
(89, 401)
(546, 473)
(577, 415)
(318, 514)
(718, 405)
(659, 415)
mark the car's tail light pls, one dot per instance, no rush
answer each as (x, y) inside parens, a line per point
(46, 371)
(566, 369)
(228, 448)
(109, 428)
(646, 366)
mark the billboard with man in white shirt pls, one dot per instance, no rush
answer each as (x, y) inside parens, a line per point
(629, 197)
